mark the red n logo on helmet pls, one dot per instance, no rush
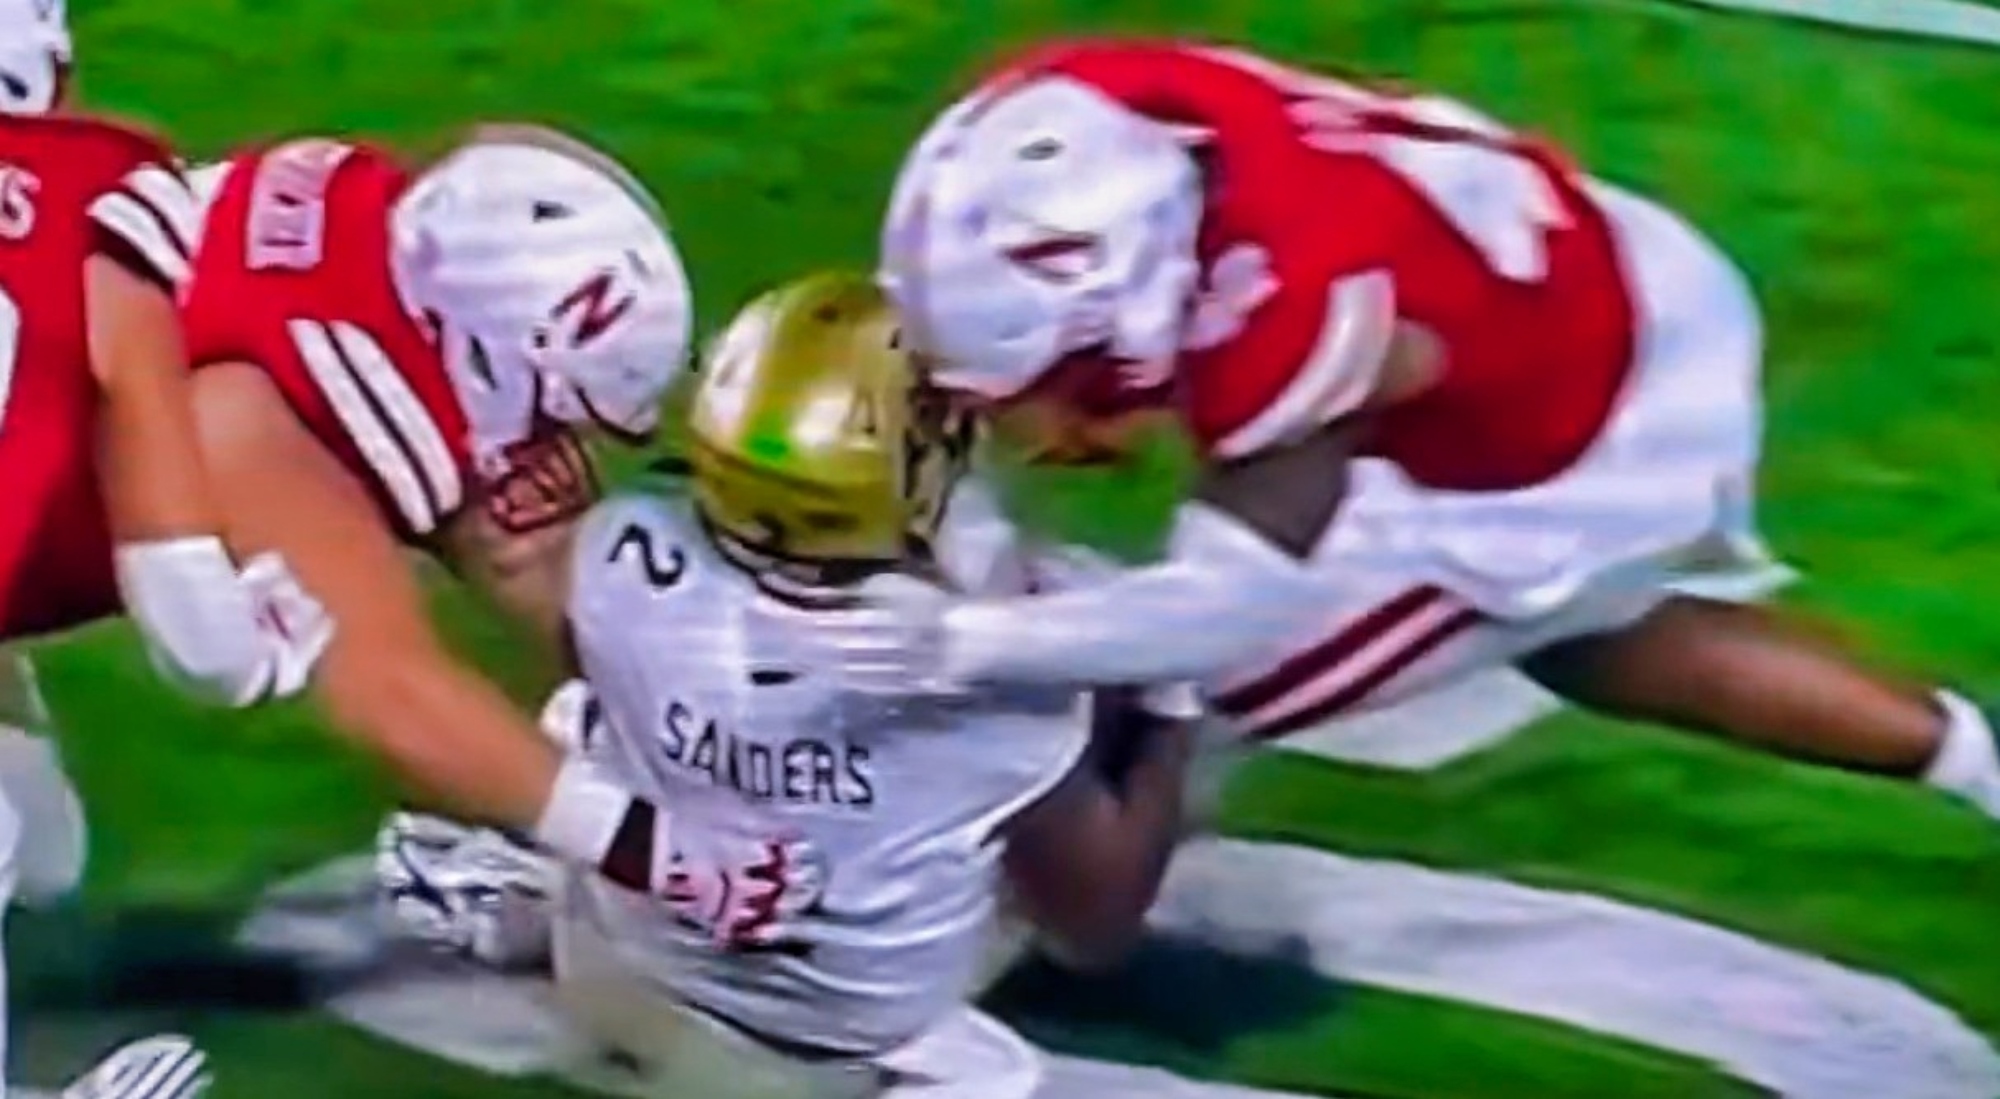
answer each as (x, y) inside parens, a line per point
(595, 307)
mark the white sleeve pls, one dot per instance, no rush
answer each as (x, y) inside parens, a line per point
(406, 447)
(1064, 567)
(976, 545)
(206, 181)
(1218, 599)
(1043, 744)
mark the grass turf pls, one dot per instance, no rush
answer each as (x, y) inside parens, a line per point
(1851, 175)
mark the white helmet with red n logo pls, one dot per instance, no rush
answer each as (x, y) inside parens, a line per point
(555, 285)
(1037, 220)
(34, 55)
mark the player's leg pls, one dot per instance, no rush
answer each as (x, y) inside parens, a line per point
(968, 1056)
(51, 854)
(1746, 674)
(1690, 432)
(635, 1036)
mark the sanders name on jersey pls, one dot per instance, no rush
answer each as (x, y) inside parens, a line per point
(800, 771)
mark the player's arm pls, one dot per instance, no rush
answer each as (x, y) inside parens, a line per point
(179, 582)
(514, 545)
(1234, 575)
(1221, 592)
(148, 457)
(1086, 861)
(387, 679)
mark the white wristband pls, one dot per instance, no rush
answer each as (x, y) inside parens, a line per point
(198, 619)
(597, 823)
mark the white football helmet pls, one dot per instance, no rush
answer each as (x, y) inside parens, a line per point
(557, 290)
(34, 54)
(1038, 220)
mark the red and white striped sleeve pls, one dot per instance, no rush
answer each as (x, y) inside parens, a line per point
(406, 450)
(1291, 360)
(1339, 370)
(149, 222)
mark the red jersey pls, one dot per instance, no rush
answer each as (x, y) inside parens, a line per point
(294, 275)
(1327, 202)
(70, 189)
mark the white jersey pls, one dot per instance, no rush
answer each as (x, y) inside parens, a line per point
(712, 703)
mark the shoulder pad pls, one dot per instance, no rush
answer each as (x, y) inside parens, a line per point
(139, 142)
(118, 145)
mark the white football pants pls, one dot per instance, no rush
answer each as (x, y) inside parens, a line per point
(674, 1051)
(41, 820)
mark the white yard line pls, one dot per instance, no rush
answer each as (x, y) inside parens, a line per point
(1072, 1078)
(504, 1025)
(1950, 20)
(1799, 1025)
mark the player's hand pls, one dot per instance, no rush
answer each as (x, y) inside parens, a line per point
(467, 891)
(891, 642)
(225, 633)
(569, 717)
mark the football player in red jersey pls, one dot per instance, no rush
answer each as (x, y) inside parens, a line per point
(1459, 403)
(108, 507)
(392, 359)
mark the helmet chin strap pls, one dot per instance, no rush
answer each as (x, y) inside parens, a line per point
(795, 580)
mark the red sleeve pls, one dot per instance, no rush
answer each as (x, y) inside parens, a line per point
(145, 216)
(1309, 354)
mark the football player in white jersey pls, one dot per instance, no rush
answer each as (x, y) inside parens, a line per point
(815, 466)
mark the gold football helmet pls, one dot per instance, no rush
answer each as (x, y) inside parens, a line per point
(810, 437)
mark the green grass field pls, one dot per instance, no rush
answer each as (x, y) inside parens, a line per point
(1854, 177)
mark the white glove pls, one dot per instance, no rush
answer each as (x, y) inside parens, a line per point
(165, 1066)
(294, 626)
(893, 642)
(467, 891)
(567, 716)
(229, 636)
